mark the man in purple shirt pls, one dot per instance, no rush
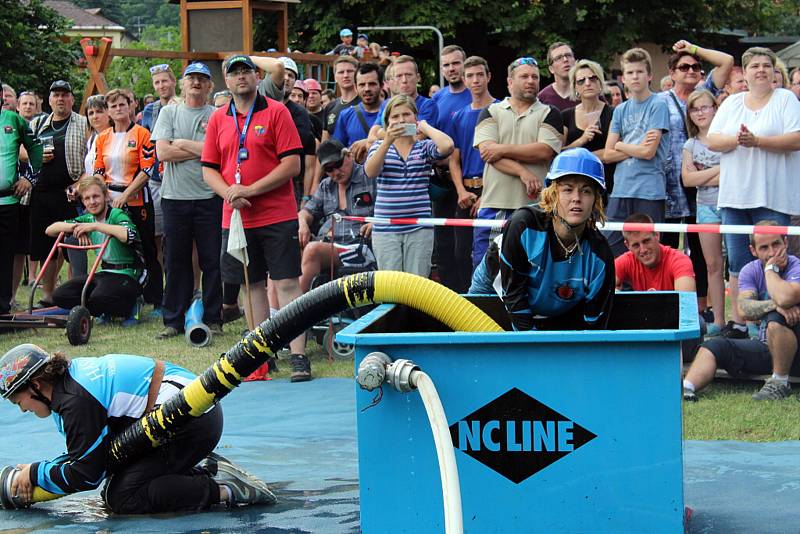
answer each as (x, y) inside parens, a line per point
(560, 59)
(769, 291)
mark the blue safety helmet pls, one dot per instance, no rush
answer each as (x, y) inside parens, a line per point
(577, 161)
(18, 365)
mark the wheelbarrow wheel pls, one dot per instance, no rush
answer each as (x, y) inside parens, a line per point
(340, 351)
(79, 326)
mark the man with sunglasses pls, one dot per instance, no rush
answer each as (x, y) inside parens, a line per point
(250, 154)
(517, 139)
(164, 84)
(560, 59)
(685, 69)
(346, 191)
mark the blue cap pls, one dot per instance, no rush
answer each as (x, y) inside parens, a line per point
(577, 161)
(345, 33)
(363, 36)
(197, 68)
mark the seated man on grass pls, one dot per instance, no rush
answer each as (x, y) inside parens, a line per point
(346, 191)
(113, 291)
(769, 291)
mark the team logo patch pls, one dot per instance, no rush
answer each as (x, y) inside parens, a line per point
(8, 129)
(260, 130)
(565, 292)
(131, 143)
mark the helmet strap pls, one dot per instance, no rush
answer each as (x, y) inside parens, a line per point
(37, 394)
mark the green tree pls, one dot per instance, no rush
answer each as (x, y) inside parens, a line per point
(32, 52)
(136, 14)
(133, 72)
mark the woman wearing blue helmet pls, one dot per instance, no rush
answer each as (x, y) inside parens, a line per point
(556, 269)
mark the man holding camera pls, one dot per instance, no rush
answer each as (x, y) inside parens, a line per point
(63, 137)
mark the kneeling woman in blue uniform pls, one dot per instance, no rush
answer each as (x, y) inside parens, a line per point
(93, 399)
(556, 268)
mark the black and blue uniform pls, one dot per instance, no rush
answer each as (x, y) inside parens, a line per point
(545, 289)
(96, 399)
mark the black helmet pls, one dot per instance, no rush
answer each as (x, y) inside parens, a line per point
(18, 365)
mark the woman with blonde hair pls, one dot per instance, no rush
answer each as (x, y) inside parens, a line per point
(556, 270)
(587, 124)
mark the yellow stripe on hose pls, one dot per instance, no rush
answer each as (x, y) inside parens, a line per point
(228, 369)
(434, 299)
(148, 430)
(198, 399)
(40, 495)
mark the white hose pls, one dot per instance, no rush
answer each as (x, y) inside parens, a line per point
(448, 470)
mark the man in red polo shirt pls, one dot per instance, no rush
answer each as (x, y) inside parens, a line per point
(650, 266)
(251, 151)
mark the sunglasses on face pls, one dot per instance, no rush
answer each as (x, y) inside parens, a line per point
(686, 67)
(330, 167)
(163, 67)
(701, 109)
(593, 78)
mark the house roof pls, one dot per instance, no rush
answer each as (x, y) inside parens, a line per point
(82, 18)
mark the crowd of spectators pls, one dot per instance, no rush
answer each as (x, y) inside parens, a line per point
(281, 156)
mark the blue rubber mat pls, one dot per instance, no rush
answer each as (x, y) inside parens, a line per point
(300, 438)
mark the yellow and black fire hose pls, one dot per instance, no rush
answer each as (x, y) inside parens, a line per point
(225, 374)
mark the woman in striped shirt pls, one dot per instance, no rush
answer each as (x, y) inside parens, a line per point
(401, 162)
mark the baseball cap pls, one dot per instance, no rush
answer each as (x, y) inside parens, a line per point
(363, 36)
(330, 152)
(345, 32)
(197, 68)
(289, 64)
(239, 60)
(61, 85)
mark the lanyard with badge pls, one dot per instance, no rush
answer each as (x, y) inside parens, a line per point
(242, 154)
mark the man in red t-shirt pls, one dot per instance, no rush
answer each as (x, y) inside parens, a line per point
(650, 266)
(251, 152)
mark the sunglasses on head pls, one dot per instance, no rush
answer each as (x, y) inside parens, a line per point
(330, 167)
(593, 78)
(524, 61)
(100, 99)
(163, 67)
(686, 67)
(27, 93)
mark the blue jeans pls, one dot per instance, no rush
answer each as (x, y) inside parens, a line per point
(482, 235)
(738, 245)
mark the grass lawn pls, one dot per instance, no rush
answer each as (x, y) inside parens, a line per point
(725, 410)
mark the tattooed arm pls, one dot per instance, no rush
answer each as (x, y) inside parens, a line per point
(752, 309)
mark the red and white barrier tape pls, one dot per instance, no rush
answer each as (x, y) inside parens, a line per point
(610, 226)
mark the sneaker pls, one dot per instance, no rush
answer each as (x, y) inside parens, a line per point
(689, 395)
(157, 313)
(729, 331)
(167, 333)
(216, 329)
(245, 488)
(232, 313)
(133, 318)
(773, 390)
(301, 368)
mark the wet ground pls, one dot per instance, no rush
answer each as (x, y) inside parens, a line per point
(300, 438)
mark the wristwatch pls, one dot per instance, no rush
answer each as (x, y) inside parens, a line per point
(772, 267)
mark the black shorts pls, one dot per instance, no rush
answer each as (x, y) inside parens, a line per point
(23, 239)
(47, 207)
(272, 249)
(744, 356)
